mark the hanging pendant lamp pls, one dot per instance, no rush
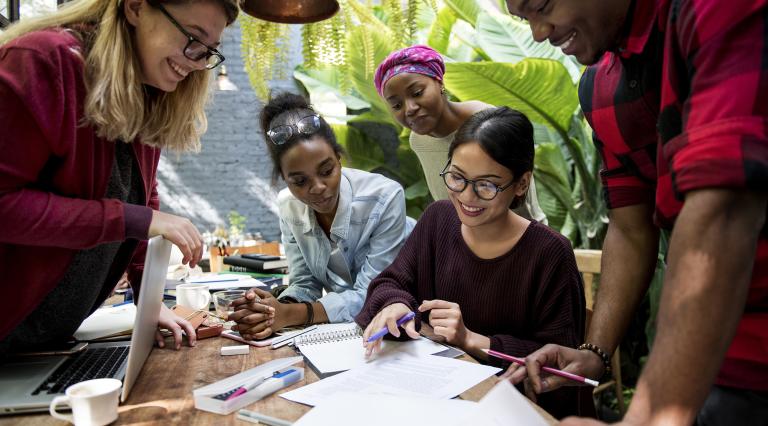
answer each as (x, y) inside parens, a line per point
(290, 11)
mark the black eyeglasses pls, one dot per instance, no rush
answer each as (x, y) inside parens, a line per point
(484, 189)
(195, 49)
(284, 132)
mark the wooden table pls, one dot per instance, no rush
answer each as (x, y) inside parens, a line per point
(163, 391)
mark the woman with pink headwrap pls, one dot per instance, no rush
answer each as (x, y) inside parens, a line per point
(410, 80)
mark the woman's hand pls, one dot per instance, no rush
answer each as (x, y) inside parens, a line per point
(175, 324)
(446, 321)
(181, 232)
(257, 314)
(388, 317)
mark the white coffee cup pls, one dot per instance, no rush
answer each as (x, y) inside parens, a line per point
(192, 295)
(93, 402)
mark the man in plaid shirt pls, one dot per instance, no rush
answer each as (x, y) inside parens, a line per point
(677, 94)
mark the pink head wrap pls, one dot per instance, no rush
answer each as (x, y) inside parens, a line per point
(417, 59)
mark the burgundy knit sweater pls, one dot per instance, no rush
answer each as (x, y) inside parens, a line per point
(522, 300)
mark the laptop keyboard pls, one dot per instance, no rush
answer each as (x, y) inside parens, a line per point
(89, 364)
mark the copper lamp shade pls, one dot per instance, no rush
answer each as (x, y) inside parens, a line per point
(290, 11)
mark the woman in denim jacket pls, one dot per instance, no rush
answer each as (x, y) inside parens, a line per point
(340, 226)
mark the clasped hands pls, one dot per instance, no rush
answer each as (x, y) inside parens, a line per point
(257, 315)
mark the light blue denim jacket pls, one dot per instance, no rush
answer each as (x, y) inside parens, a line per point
(370, 227)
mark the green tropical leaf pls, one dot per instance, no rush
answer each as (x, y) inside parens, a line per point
(321, 82)
(540, 88)
(362, 153)
(361, 71)
(418, 189)
(465, 9)
(553, 185)
(440, 33)
(508, 39)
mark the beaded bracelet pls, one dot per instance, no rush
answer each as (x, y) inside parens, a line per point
(601, 353)
(310, 314)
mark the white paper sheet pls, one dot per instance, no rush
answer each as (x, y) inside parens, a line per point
(503, 405)
(402, 375)
(350, 409)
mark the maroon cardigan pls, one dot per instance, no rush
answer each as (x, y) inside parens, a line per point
(53, 175)
(522, 300)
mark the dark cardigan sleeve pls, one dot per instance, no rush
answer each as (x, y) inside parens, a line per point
(398, 282)
(560, 306)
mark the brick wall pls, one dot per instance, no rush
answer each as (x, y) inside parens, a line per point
(233, 170)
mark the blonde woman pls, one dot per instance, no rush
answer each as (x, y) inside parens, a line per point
(89, 96)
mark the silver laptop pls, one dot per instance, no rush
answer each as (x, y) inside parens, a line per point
(30, 384)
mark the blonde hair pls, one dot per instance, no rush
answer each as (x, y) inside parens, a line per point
(116, 104)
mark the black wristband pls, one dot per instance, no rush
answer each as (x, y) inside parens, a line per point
(601, 353)
(310, 314)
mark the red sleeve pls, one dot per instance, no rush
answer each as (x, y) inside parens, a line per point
(722, 52)
(40, 122)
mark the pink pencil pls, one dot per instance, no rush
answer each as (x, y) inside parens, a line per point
(550, 370)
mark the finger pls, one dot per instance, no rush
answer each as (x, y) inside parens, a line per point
(254, 319)
(518, 375)
(393, 327)
(159, 339)
(529, 390)
(372, 348)
(189, 330)
(242, 311)
(439, 313)
(197, 247)
(433, 304)
(510, 370)
(176, 330)
(183, 245)
(253, 329)
(263, 334)
(410, 329)
(261, 293)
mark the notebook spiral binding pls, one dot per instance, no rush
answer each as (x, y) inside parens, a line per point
(329, 336)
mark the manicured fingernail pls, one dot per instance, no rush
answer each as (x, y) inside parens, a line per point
(544, 386)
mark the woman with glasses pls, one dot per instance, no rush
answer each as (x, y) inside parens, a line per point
(482, 276)
(410, 81)
(340, 226)
(89, 95)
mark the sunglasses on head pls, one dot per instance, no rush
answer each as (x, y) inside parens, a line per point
(284, 132)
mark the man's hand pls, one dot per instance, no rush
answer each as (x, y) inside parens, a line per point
(257, 314)
(583, 363)
(175, 324)
(181, 232)
(388, 317)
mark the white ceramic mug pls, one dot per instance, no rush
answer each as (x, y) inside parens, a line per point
(93, 402)
(192, 295)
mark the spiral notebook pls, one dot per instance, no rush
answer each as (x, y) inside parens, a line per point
(333, 348)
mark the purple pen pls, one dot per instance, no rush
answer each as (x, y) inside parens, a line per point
(384, 330)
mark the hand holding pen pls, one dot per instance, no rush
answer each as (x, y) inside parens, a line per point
(389, 320)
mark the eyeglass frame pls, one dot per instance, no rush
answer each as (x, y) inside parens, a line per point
(294, 127)
(191, 39)
(474, 183)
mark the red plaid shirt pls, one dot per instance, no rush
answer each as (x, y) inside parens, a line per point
(683, 105)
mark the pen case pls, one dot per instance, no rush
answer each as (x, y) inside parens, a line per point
(205, 396)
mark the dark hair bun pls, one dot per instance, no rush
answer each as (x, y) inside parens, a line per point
(281, 103)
